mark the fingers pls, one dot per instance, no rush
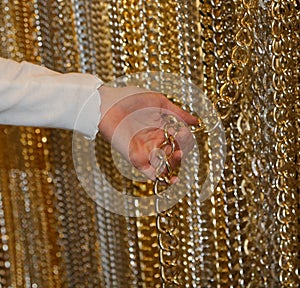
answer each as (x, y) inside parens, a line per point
(162, 164)
(152, 155)
(151, 135)
(149, 171)
(185, 116)
(158, 162)
(185, 141)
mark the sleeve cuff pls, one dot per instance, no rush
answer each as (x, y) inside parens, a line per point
(89, 115)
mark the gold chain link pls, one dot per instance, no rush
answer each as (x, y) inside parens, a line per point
(166, 221)
(241, 52)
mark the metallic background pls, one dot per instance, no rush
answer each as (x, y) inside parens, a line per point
(244, 55)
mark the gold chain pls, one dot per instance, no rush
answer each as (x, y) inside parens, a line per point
(189, 50)
(237, 69)
(102, 39)
(285, 44)
(233, 62)
(166, 221)
(251, 126)
(244, 55)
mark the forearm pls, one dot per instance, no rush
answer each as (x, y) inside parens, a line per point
(31, 95)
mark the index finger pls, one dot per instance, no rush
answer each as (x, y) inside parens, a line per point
(184, 115)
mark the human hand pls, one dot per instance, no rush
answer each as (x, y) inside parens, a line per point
(132, 120)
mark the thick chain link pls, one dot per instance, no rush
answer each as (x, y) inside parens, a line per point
(166, 221)
(237, 69)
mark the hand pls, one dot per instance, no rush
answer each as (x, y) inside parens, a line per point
(132, 120)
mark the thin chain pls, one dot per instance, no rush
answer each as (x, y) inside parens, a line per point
(189, 49)
(131, 23)
(116, 30)
(83, 30)
(44, 33)
(285, 43)
(167, 36)
(102, 39)
(5, 253)
(207, 48)
(151, 49)
(254, 125)
(206, 270)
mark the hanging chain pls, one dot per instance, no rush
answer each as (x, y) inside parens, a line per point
(241, 52)
(223, 26)
(284, 49)
(250, 125)
(205, 227)
(237, 92)
(100, 30)
(167, 221)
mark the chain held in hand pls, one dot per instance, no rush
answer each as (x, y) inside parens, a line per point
(166, 221)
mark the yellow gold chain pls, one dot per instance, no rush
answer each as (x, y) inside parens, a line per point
(166, 221)
(285, 52)
(230, 91)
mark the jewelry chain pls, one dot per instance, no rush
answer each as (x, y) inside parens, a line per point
(230, 91)
(166, 221)
(285, 52)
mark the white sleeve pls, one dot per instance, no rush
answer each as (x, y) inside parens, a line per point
(31, 95)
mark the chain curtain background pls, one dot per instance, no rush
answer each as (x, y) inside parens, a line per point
(244, 54)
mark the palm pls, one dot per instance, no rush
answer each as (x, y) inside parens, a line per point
(132, 121)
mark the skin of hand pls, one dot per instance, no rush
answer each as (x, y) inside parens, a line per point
(131, 120)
